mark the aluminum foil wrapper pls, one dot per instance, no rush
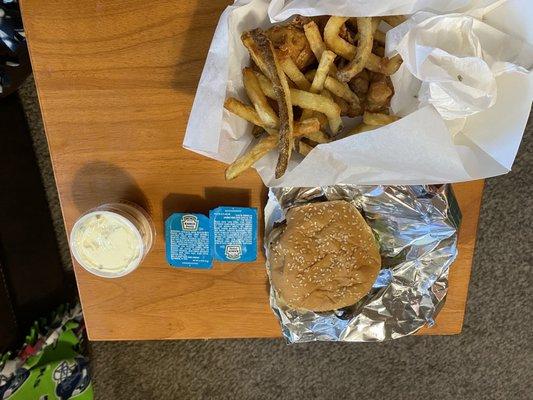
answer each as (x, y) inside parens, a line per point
(416, 227)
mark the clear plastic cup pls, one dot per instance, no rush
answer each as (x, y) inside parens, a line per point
(112, 240)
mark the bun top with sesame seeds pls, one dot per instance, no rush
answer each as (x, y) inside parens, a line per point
(326, 258)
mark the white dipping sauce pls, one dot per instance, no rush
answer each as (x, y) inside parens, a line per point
(106, 242)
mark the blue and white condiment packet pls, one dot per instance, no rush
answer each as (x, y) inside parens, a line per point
(188, 242)
(234, 233)
(194, 240)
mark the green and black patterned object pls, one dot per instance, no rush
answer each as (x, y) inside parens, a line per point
(50, 365)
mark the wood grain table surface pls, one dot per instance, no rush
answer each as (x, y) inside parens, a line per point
(116, 80)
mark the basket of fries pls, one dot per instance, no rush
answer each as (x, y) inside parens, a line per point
(323, 93)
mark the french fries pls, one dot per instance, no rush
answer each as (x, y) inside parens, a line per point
(384, 66)
(378, 119)
(373, 121)
(362, 128)
(257, 131)
(306, 127)
(317, 136)
(378, 96)
(317, 85)
(341, 91)
(294, 74)
(309, 101)
(263, 53)
(363, 50)
(379, 37)
(334, 42)
(244, 111)
(304, 148)
(251, 157)
(324, 68)
(248, 113)
(323, 104)
(359, 84)
(265, 145)
(259, 100)
(312, 33)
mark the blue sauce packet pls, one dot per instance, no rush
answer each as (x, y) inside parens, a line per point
(194, 240)
(234, 234)
(188, 241)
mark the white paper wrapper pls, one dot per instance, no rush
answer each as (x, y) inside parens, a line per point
(464, 88)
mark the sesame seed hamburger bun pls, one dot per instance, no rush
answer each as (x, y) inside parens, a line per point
(326, 257)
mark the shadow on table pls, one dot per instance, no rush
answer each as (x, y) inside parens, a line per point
(213, 197)
(195, 44)
(99, 182)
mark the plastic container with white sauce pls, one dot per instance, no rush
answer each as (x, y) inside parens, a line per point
(112, 240)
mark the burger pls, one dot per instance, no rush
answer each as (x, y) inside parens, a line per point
(325, 258)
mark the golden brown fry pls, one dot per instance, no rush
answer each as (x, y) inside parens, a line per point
(324, 66)
(379, 51)
(312, 33)
(379, 37)
(306, 127)
(332, 120)
(348, 101)
(364, 49)
(318, 136)
(314, 38)
(338, 88)
(309, 101)
(348, 109)
(290, 39)
(346, 34)
(334, 42)
(361, 128)
(266, 85)
(265, 145)
(323, 120)
(378, 119)
(346, 50)
(321, 104)
(257, 152)
(257, 131)
(248, 113)
(258, 99)
(303, 148)
(359, 84)
(292, 71)
(379, 93)
(318, 79)
(385, 66)
(244, 111)
(342, 90)
(343, 104)
(373, 121)
(394, 20)
(263, 53)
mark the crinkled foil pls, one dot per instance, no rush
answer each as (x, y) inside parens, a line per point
(416, 227)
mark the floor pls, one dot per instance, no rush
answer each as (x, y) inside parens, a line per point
(491, 359)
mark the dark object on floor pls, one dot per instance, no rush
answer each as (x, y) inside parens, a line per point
(14, 59)
(32, 280)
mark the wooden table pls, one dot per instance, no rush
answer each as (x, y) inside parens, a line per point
(116, 81)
